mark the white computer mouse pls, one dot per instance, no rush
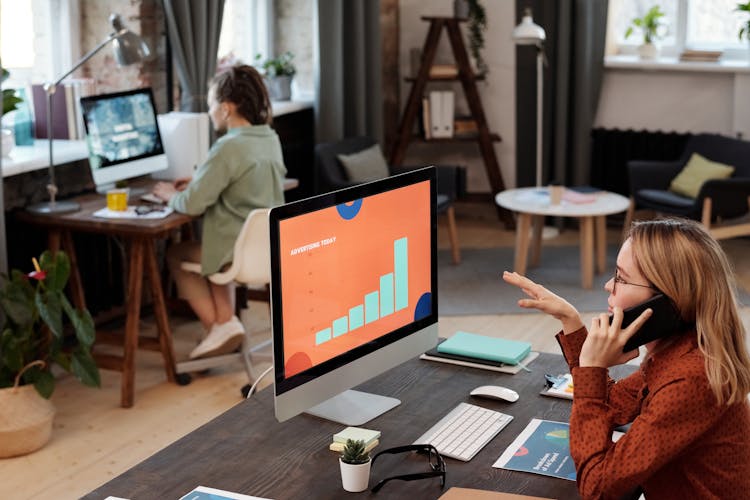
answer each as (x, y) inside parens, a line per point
(496, 392)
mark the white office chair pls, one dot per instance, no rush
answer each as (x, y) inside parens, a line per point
(251, 266)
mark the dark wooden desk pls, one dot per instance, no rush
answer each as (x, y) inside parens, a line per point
(140, 235)
(247, 451)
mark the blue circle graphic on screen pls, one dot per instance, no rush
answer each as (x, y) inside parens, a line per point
(349, 212)
(424, 306)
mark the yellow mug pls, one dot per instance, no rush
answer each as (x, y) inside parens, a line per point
(117, 199)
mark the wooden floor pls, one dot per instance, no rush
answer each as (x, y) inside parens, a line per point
(94, 439)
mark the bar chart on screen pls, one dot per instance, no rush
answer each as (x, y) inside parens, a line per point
(356, 278)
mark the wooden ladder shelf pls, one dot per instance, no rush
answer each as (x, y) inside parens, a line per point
(469, 83)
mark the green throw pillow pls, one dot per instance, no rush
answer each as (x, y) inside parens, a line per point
(697, 171)
(366, 165)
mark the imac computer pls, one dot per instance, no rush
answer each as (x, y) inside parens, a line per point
(353, 293)
(122, 136)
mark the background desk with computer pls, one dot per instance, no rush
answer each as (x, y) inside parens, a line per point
(125, 140)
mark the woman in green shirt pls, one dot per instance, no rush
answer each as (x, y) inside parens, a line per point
(244, 171)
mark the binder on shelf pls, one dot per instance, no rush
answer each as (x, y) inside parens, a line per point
(436, 114)
(426, 122)
(446, 120)
(59, 113)
(70, 110)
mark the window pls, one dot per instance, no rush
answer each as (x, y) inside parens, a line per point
(689, 24)
(246, 30)
(39, 39)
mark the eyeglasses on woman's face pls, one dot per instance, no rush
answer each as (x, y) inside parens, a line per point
(619, 280)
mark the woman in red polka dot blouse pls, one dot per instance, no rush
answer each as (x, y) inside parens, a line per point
(690, 432)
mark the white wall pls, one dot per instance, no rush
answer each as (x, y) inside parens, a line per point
(680, 101)
(497, 92)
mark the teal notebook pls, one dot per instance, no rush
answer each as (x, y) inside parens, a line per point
(473, 345)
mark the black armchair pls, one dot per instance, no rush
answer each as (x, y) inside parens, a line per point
(331, 175)
(718, 199)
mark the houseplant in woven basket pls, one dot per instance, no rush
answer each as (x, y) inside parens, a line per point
(33, 316)
(355, 466)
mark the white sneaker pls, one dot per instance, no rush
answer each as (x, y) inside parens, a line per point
(222, 339)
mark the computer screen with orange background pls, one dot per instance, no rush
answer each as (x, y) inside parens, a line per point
(353, 272)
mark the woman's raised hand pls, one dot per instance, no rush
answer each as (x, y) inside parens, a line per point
(545, 301)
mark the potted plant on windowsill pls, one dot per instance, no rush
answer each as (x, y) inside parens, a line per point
(278, 72)
(32, 339)
(355, 466)
(650, 25)
(745, 29)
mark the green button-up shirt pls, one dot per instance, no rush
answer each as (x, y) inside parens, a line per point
(244, 171)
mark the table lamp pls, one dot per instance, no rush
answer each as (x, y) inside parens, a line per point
(529, 33)
(128, 48)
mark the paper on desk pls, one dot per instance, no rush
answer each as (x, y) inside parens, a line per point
(206, 493)
(130, 213)
(539, 197)
(543, 447)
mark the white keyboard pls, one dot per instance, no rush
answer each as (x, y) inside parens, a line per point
(464, 431)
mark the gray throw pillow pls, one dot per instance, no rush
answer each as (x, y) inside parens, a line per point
(366, 165)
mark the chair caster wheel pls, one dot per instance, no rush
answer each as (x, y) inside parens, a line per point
(245, 389)
(183, 378)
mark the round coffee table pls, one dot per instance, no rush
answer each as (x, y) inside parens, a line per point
(532, 205)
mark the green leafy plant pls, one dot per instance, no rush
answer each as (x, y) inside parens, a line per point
(354, 452)
(277, 66)
(649, 25)
(10, 99)
(477, 27)
(745, 30)
(32, 312)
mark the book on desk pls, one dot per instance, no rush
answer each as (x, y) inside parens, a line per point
(480, 351)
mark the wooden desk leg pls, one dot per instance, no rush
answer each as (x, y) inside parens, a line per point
(522, 242)
(75, 284)
(53, 240)
(587, 252)
(537, 225)
(600, 234)
(160, 310)
(132, 320)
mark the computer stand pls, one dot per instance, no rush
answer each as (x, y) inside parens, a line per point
(354, 408)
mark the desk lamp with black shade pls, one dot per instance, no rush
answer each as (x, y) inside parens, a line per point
(128, 48)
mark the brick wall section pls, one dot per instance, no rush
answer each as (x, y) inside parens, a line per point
(294, 33)
(144, 17)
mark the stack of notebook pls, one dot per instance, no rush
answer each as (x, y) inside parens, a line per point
(481, 351)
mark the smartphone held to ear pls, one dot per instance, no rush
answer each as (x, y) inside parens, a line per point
(664, 321)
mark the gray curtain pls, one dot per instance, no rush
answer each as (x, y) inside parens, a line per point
(576, 31)
(194, 29)
(348, 98)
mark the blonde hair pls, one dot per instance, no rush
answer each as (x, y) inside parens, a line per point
(681, 259)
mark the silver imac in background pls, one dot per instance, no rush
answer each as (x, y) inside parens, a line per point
(122, 136)
(353, 293)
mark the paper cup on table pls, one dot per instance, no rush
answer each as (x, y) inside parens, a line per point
(117, 200)
(555, 194)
